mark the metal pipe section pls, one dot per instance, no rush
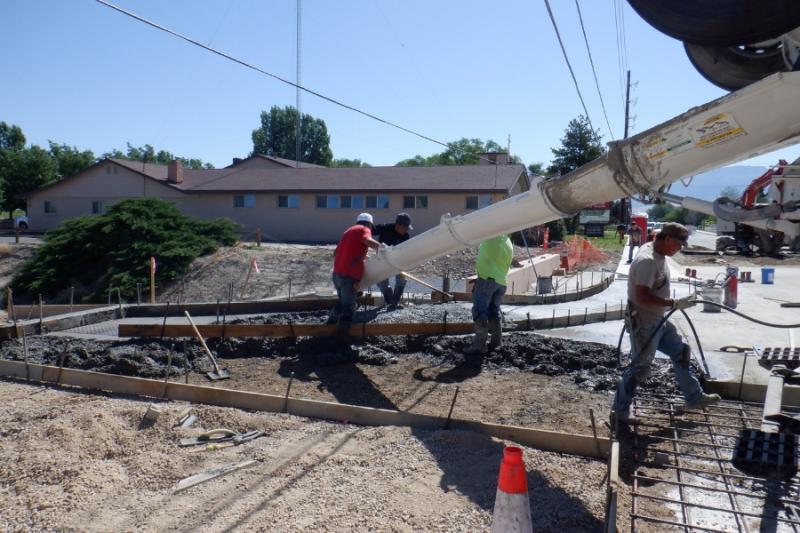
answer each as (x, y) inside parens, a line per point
(757, 119)
(790, 229)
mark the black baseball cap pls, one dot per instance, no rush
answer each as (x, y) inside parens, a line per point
(404, 220)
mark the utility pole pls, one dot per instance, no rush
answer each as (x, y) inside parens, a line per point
(625, 204)
(297, 92)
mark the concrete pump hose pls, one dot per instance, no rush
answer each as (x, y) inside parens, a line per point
(751, 319)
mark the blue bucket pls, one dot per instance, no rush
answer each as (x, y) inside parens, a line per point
(767, 275)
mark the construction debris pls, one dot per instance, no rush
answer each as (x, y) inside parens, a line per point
(208, 475)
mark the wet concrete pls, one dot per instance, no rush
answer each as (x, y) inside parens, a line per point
(593, 366)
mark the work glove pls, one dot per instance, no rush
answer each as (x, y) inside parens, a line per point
(684, 303)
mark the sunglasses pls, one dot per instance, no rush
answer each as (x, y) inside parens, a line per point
(682, 240)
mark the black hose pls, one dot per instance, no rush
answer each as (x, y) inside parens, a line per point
(751, 319)
(697, 340)
(694, 331)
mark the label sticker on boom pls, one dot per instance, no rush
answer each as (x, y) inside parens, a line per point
(716, 129)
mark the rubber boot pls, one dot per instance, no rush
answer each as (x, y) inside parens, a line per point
(478, 346)
(343, 329)
(388, 297)
(396, 296)
(497, 334)
(333, 317)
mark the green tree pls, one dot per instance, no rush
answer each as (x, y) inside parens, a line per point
(11, 137)
(461, 152)
(69, 160)
(277, 136)
(349, 163)
(93, 252)
(536, 169)
(22, 171)
(580, 145)
(730, 192)
(148, 154)
(659, 211)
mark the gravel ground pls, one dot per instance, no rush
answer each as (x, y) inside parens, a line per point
(80, 462)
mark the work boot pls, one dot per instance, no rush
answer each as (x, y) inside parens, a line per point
(702, 401)
(397, 296)
(623, 417)
(496, 332)
(388, 297)
(478, 346)
(343, 329)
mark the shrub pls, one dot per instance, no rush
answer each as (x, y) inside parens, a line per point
(114, 249)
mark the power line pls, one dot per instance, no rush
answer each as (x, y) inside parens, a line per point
(569, 66)
(262, 71)
(622, 45)
(594, 71)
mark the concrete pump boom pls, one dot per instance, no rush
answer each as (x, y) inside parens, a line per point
(757, 119)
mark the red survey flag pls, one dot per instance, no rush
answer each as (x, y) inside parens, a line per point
(255, 266)
(153, 264)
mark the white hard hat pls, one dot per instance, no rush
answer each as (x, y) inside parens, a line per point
(364, 217)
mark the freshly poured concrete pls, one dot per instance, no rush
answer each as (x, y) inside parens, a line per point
(715, 330)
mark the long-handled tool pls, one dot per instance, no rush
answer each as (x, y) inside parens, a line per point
(218, 373)
(409, 276)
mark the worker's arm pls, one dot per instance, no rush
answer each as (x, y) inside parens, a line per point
(372, 243)
(644, 296)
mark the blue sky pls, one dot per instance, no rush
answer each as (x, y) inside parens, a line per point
(80, 73)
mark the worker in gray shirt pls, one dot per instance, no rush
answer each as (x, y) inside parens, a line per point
(648, 301)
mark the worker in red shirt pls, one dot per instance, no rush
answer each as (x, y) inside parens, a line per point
(348, 268)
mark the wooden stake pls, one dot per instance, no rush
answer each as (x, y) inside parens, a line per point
(258, 237)
(152, 280)
(246, 281)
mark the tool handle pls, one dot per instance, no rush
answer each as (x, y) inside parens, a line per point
(409, 276)
(202, 341)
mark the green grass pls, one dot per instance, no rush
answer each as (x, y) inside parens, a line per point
(608, 242)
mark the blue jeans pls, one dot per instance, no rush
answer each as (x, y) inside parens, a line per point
(486, 296)
(631, 246)
(668, 341)
(399, 284)
(346, 291)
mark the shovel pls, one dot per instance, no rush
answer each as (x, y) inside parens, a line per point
(218, 373)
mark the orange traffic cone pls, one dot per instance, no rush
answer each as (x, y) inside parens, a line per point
(512, 510)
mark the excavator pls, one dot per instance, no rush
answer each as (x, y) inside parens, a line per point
(733, 43)
(765, 218)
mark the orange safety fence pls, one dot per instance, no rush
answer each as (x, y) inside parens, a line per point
(578, 252)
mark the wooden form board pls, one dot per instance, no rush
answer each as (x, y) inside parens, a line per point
(538, 299)
(236, 308)
(752, 392)
(364, 329)
(555, 441)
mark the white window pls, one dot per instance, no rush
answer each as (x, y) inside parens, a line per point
(478, 201)
(49, 208)
(244, 200)
(415, 202)
(290, 201)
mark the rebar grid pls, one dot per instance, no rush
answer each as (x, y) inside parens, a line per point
(683, 467)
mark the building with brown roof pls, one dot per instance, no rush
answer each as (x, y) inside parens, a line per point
(305, 203)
